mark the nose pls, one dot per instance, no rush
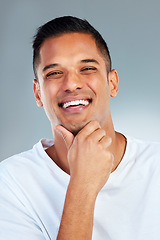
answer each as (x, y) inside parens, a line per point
(72, 82)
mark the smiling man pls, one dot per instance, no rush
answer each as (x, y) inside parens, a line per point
(73, 81)
(91, 182)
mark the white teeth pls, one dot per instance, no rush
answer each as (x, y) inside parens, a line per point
(76, 103)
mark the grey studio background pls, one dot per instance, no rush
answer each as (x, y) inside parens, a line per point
(132, 30)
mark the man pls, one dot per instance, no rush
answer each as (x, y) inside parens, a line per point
(91, 182)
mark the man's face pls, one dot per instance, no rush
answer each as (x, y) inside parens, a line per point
(73, 85)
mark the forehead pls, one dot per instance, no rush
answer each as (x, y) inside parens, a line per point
(73, 46)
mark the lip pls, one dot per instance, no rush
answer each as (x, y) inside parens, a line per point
(73, 98)
(76, 108)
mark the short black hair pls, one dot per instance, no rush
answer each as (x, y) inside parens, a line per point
(63, 25)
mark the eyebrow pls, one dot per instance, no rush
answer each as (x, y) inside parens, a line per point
(89, 61)
(50, 66)
(82, 61)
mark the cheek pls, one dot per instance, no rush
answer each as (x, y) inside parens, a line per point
(99, 85)
(49, 103)
(48, 93)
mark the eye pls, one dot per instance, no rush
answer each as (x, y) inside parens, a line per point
(88, 70)
(54, 75)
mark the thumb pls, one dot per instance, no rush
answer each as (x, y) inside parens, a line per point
(66, 135)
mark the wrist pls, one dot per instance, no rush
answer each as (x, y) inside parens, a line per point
(81, 191)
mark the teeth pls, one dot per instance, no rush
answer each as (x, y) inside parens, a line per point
(76, 103)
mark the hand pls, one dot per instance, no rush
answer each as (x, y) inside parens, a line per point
(89, 158)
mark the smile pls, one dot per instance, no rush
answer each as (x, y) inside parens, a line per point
(75, 103)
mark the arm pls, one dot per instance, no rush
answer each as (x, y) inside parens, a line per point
(90, 164)
(77, 218)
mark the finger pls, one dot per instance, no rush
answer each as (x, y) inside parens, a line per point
(66, 135)
(106, 141)
(89, 128)
(97, 135)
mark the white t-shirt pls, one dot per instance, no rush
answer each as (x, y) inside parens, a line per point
(33, 188)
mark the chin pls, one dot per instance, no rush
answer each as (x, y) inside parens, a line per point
(75, 128)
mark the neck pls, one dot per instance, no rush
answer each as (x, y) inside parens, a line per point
(118, 149)
(58, 152)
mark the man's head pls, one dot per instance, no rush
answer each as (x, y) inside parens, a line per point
(63, 25)
(75, 81)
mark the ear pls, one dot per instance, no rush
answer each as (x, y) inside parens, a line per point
(113, 80)
(37, 93)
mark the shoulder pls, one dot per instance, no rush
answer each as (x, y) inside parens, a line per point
(145, 152)
(143, 146)
(25, 162)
